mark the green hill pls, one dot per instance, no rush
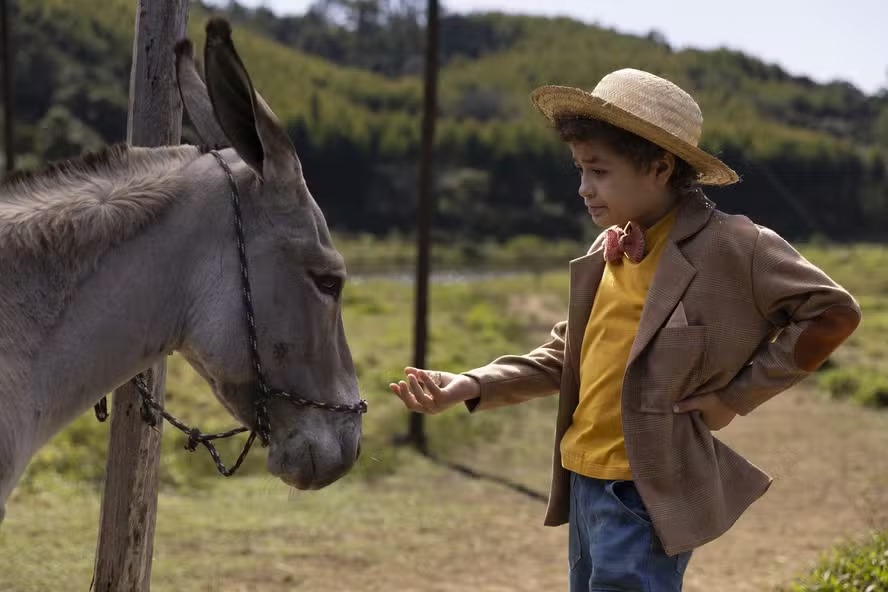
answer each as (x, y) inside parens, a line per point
(812, 156)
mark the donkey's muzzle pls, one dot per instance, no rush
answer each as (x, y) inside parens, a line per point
(314, 460)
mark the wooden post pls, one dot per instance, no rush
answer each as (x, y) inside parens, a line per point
(8, 92)
(416, 432)
(129, 505)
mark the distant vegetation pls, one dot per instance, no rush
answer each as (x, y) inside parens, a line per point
(345, 79)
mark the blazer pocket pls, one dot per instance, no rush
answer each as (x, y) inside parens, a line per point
(672, 367)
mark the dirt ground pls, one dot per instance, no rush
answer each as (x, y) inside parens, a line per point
(830, 467)
(431, 529)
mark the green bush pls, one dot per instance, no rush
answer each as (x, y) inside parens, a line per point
(864, 386)
(859, 567)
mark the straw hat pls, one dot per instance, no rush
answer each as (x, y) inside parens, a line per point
(646, 105)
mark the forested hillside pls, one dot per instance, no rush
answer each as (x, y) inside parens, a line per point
(345, 79)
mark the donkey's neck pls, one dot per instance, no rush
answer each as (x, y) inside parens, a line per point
(122, 316)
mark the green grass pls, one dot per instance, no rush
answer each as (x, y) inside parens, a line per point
(250, 518)
(857, 369)
(367, 254)
(863, 386)
(250, 533)
(205, 519)
(856, 373)
(468, 328)
(856, 567)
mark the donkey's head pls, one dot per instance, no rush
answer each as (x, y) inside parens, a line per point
(296, 274)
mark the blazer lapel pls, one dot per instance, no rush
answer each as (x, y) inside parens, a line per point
(674, 272)
(585, 275)
(671, 279)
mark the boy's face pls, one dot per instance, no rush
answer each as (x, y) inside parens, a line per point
(615, 190)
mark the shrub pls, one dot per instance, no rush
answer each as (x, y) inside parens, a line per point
(858, 567)
(867, 387)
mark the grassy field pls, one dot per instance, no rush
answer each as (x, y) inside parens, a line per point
(399, 521)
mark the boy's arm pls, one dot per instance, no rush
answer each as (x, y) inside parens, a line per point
(813, 313)
(514, 379)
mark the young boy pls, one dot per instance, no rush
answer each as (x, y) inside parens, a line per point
(680, 318)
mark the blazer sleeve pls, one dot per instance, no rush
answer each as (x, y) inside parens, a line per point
(513, 379)
(811, 314)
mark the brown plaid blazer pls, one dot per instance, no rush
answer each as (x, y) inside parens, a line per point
(759, 318)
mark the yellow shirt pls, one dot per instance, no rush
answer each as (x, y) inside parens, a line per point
(593, 445)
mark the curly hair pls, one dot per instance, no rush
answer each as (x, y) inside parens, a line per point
(639, 151)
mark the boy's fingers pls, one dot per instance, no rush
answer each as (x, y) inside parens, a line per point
(414, 386)
(404, 394)
(416, 390)
(412, 393)
(430, 383)
(409, 400)
(396, 388)
(686, 405)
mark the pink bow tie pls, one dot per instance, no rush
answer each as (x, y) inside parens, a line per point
(628, 242)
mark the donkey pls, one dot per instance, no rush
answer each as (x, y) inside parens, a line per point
(114, 260)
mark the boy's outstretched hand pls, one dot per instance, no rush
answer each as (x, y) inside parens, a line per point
(430, 391)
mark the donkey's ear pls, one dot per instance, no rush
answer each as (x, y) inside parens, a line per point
(195, 99)
(248, 123)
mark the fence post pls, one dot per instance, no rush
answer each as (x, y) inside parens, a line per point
(129, 504)
(416, 428)
(8, 60)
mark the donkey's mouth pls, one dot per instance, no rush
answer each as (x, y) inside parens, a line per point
(312, 462)
(297, 483)
(309, 483)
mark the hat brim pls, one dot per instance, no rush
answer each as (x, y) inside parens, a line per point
(563, 101)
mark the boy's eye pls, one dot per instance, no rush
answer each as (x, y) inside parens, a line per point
(597, 172)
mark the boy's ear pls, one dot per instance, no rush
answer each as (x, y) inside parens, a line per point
(664, 166)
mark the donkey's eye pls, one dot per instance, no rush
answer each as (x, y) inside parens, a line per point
(328, 284)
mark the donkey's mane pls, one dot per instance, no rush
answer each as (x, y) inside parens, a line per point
(90, 202)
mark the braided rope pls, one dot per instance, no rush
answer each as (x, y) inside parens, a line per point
(263, 422)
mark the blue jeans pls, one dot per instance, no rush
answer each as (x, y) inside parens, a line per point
(613, 545)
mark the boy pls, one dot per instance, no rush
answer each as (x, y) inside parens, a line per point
(680, 318)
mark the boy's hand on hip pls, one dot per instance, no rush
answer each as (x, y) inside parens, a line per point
(716, 414)
(430, 391)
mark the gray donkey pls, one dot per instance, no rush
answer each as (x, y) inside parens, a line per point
(112, 261)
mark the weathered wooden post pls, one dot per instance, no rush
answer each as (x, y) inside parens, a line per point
(129, 505)
(8, 93)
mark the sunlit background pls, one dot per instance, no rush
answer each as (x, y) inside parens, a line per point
(795, 98)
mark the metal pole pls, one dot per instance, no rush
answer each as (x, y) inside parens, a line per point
(416, 432)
